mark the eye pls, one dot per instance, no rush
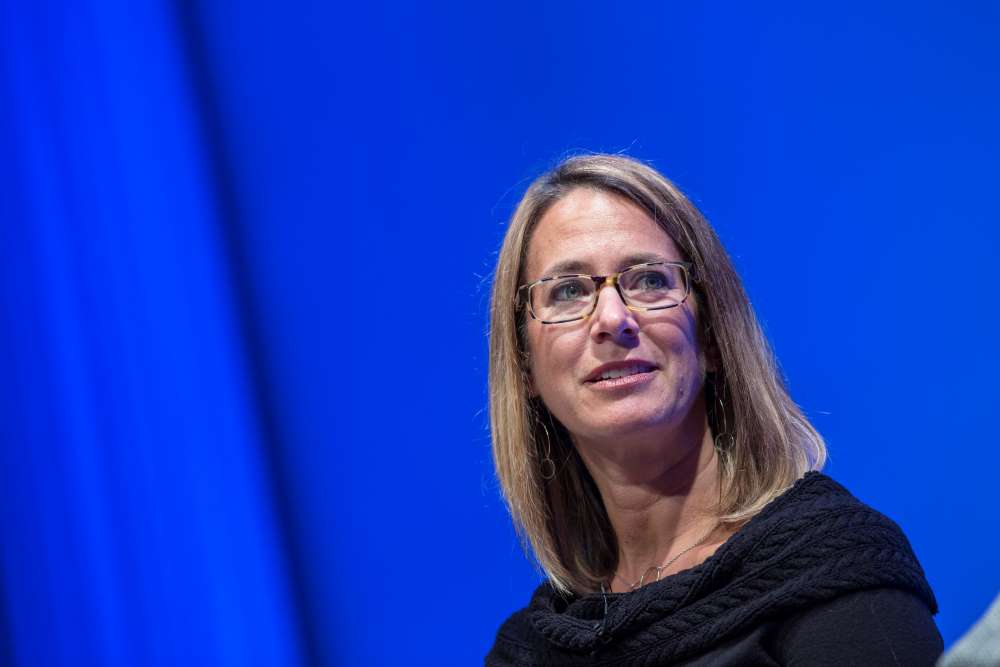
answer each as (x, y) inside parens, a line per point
(568, 290)
(650, 280)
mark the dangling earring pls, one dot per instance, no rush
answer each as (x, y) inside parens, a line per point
(548, 466)
(723, 439)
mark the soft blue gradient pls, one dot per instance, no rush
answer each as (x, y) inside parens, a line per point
(231, 435)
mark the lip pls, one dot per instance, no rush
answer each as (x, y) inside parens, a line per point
(644, 369)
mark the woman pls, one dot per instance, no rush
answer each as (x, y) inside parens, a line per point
(652, 459)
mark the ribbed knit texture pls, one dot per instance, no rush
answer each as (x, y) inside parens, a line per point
(813, 543)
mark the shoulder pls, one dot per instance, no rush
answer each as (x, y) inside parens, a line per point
(517, 642)
(819, 529)
(815, 512)
(880, 626)
(822, 579)
(815, 494)
(814, 545)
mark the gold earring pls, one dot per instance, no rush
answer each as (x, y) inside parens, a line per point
(723, 439)
(548, 466)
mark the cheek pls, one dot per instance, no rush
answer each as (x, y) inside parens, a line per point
(538, 373)
(685, 337)
(682, 354)
(552, 354)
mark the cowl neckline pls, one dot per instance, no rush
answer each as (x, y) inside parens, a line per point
(813, 542)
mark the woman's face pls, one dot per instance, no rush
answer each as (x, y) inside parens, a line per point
(659, 351)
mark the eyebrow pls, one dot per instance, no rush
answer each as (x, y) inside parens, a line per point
(577, 266)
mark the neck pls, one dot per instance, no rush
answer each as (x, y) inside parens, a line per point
(661, 502)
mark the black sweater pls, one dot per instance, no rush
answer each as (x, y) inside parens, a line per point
(816, 578)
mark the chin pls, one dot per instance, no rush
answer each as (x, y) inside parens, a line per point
(630, 426)
(641, 419)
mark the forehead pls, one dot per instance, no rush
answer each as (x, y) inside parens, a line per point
(591, 231)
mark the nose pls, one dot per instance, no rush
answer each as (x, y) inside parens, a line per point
(612, 320)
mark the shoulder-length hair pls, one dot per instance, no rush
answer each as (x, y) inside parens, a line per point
(770, 443)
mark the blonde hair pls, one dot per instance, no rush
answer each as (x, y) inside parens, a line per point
(563, 519)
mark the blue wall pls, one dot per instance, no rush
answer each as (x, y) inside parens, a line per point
(217, 449)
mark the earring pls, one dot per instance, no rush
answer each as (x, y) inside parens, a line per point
(723, 439)
(548, 466)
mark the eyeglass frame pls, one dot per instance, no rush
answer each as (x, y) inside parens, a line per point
(610, 280)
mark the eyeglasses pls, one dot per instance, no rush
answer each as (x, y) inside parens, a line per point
(648, 286)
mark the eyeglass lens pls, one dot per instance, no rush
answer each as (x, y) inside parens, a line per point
(569, 297)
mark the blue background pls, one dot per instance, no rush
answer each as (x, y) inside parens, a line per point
(231, 437)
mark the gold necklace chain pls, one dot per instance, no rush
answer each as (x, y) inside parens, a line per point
(660, 568)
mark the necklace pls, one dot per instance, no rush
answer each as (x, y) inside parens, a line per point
(660, 568)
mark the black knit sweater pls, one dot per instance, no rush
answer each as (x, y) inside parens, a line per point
(816, 578)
